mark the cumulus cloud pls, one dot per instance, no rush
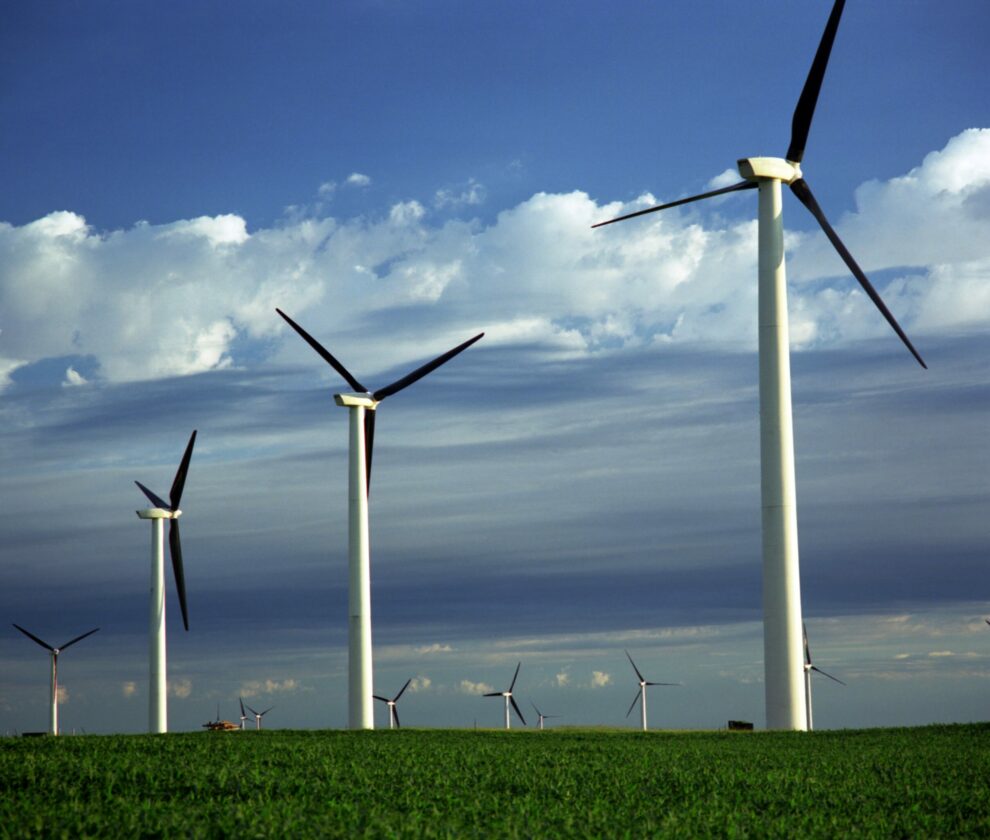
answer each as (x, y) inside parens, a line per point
(63, 694)
(420, 684)
(469, 195)
(436, 647)
(468, 687)
(128, 688)
(600, 679)
(73, 378)
(252, 688)
(562, 679)
(180, 688)
(174, 299)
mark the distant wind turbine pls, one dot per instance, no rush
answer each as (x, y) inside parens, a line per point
(540, 714)
(54, 651)
(259, 715)
(243, 715)
(362, 405)
(509, 699)
(161, 510)
(641, 694)
(808, 668)
(393, 712)
(785, 700)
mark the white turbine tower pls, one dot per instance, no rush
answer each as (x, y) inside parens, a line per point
(243, 714)
(509, 699)
(641, 694)
(785, 699)
(362, 405)
(259, 715)
(54, 651)
(540, 715)
(393, 712)
(809, 666)
(158, 665)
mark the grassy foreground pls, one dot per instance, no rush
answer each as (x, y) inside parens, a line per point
(925, 782)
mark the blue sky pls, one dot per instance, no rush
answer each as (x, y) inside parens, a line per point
(583, 480)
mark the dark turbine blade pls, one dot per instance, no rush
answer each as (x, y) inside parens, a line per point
(31, 635)
(742, 185)
(369, 445)
(649, 683)
(242, 707)
(420, 372)
(801, 189)
(805, 110)
(175, 494)
(397, 696)
(635, 699)
(79, 638)
(252, 711)
(175, 549)
(538, 712)
(155, 499)
(379, 697)
(325, 354)
(820, 671)
(638, 674)
(807, 650)
(492, 694)
(512, 700)
(515, 677)
(395, 711)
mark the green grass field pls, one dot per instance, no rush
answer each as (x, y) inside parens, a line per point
(925, 782)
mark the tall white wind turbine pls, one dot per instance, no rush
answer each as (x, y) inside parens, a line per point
(243, 714)
(362, 405)
(393, 712)
(542, 717)
(809, 666)
(54, 651)
(160, 511)
(641, 694)
(259, 715)
(783, 668)
(509, 699)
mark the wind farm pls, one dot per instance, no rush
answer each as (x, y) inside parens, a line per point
(615, 468)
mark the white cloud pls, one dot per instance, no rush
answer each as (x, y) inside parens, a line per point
(165, 300)
(128, 688)
(436, 647)
(468, 687)
(327, 189)
(62, 694)
(941, 653)
(600, 679)
(420, 684)
(253, 688)
(180, 688)
(356, 179)
(73, 377)
(562, 679)
(469, 195)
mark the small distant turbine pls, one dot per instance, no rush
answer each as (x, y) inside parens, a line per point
(540, 715)
(393, 712)
(54, 651)
(808, 668)
(243, 715)
(259, 715)
(160, 510)
(785, 702)
(641, 694)
(509, 699)
(363, 405)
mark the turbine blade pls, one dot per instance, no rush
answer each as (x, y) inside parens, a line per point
(493, 694)
(807, 650)
(801, 189)
(820, 671)
(538, 712)
(378, 697)
(252, 711)
(266, 711)
(175, 549)
(420, 372)
(78, 639)
(369, 445)
(805, 110)
(395, 711)
(397, 696)
(31, 635)
(175, 494)
(515, 707)
(156, 500)
(514, 677)
(638, 674)
(635, 699)
(324, 354)
(242, 707)
(742, 185)
(650, 683)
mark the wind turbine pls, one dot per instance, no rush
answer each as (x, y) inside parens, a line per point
(540, 715)
(54, 651)
(362, 405)
(641, 694)
(393, 712)
(243, 715)
(160, 510)
(509, 699)
(785, 700)
(809, 666)
(259, 715)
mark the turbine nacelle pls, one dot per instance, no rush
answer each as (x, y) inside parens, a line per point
(158, 513)
(365, 401)
(762, 168)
